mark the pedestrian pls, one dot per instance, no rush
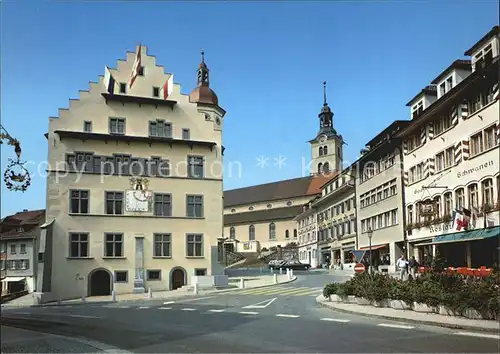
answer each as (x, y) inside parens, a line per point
(402, 265)
(413, 265)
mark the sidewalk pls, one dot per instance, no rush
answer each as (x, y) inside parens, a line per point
(250, 283)
(17, 340)
(412, 316)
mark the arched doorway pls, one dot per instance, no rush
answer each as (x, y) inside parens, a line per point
(100, 282)
(177, 278)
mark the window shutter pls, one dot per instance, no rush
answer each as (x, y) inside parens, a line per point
(454, 115)
(464, 109)
(465, 149)
(423, 135)
(431, 131)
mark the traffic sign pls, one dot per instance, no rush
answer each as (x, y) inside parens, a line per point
(359, 268)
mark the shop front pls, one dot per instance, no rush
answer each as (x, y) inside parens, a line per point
(472, 248)
(325, 256)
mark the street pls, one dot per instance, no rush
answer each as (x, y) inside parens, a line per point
(284, 318)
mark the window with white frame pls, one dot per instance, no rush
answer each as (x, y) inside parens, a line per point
(442, 124)
(417, 109)
(476, 144)
(473, 196)
(449, 83)
(410, 214)
(414, 142)
(449, 157)
(489, 138)
(437, 204)
(448, 203)
(439, 161)
(459, 199)
(487, 192)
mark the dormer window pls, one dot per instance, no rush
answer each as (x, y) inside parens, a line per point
(483, 57)
(417, 109)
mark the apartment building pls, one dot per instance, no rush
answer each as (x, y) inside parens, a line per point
(336, 219)
(19, 234)
(451, 161)
(307, 227)
(379, 198)
(134, 191)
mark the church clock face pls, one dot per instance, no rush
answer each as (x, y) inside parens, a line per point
(322, 139)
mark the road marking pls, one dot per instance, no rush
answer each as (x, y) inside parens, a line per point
(261, 305)
(248, 313)
(218, 311)
(168, 302)
(482, 335)
(287, 316)
(316, 291)
(82, 316)
(124, 307)
(164, 308)
(198, 298)
(334, 320)
(394, 326)
(142, 307)
(187, 309)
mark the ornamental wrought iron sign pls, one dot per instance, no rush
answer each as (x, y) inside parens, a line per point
(16, 176)
(428, 208)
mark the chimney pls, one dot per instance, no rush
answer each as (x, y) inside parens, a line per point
(25, 210)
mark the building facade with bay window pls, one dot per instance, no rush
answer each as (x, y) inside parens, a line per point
(134, 187)
(451, 162)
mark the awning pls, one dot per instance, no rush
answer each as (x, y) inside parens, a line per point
(12, 279)
(377, 247)
(472, 235)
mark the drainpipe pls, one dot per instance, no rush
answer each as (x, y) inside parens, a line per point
(403, 204)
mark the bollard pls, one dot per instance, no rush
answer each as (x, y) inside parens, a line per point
(150, 293)
(261, 269)
(59, 302)
(195, 288)
(291, 273)
(281, 271)
(113, 296)
(242, 283)
(275, 278)
(83, 298)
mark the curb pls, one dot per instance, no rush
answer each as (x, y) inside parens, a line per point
(330, 306)
(148, 299)
(256, 287)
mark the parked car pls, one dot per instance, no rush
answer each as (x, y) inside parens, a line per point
(276, 264)
(296, 265)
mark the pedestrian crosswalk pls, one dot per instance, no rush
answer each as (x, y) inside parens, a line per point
(281, 291)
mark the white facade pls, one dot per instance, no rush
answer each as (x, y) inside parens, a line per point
(454, 162)
(336, 217)
(308, 242)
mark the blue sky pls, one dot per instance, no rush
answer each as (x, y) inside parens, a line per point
(267, 61)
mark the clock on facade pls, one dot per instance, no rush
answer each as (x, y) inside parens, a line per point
(322, 139)
(217, 120)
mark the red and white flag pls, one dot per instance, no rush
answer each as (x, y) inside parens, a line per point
(137, 66)
(167, 87)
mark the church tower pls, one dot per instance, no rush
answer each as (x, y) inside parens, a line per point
(327, 146)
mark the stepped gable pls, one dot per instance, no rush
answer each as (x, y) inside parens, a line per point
(130, 57)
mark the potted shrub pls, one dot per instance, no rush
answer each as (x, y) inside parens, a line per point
(401, 297)
(330, 292)
(426, 295)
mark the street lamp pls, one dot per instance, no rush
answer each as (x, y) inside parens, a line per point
(370, 234)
